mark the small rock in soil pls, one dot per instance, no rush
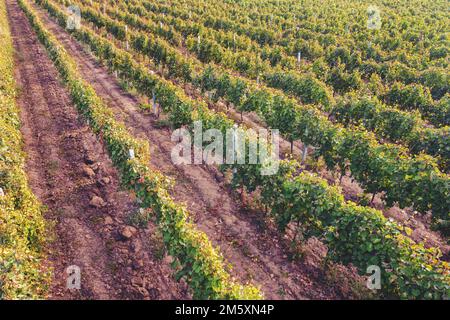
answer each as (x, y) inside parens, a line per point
(108, 220)
(97, 167)
(97, 202)
(104, 181)
(88, 172)
(128, 232)
(137, 282)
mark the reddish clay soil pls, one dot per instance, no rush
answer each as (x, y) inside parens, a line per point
(67, 167)
(257, 252)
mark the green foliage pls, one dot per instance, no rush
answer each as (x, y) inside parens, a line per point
(395, 125)
(307, 88)
(358, 235)
(414, 96)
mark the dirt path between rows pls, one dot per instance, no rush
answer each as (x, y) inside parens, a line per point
(258, 254)
(67, 167)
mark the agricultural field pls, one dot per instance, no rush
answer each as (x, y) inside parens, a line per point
(230, 150)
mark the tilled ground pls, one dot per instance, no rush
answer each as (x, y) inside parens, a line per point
(258, 254)
(73, 177)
